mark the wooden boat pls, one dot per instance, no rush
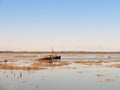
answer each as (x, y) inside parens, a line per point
(50, 57)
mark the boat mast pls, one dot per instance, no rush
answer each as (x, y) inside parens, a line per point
(52, 50)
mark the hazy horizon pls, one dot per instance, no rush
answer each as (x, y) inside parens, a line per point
(65, 25)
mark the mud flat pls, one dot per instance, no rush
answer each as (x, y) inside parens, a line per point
(44, 64)
(92, 62)
(12, 65)
(30, 65)
(115, 64)
(102, 63)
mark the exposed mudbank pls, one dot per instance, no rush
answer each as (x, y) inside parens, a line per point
(44, 64)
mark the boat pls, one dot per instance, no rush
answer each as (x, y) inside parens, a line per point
(51, 57)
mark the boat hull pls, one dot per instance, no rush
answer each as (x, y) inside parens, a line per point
(50, 57)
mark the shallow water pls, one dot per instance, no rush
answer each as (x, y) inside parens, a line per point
(90, 57)
(69, 57)
(70, 77)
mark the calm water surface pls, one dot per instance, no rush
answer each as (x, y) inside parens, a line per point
(68, 57)
(71, 77)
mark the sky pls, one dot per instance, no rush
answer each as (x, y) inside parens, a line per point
(65, 25)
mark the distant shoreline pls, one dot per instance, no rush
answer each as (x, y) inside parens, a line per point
(65, 52)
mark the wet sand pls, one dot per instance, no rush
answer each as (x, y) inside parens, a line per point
(30, 65)
(44, 64)
(29, 61)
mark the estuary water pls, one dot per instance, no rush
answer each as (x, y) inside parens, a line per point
(62, 78)
(69, 77)
(69, 57)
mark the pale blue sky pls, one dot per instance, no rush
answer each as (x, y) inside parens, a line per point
(36, 25)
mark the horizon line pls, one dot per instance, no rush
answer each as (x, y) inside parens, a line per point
(58, 51)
